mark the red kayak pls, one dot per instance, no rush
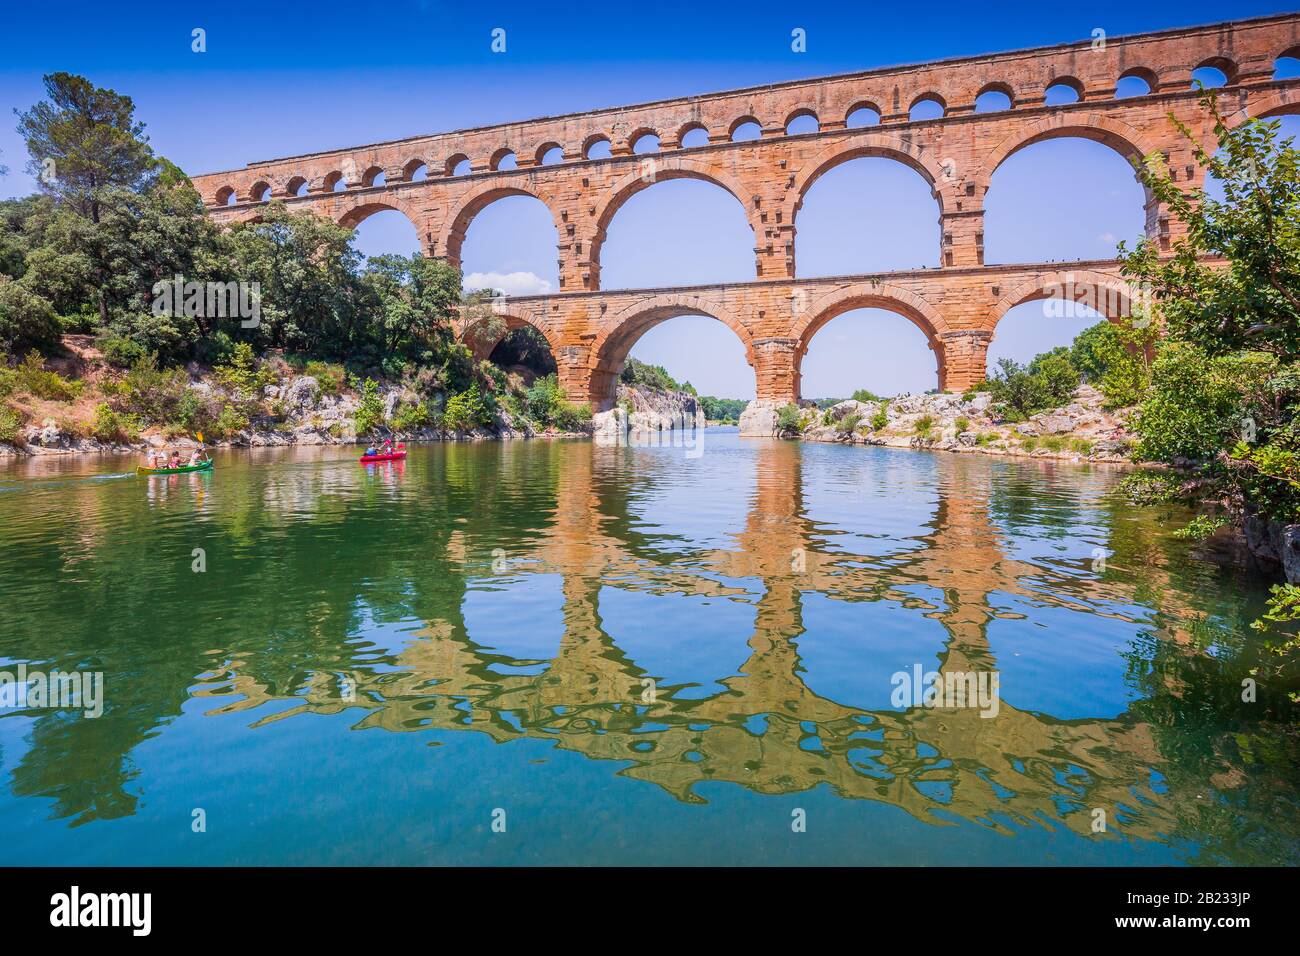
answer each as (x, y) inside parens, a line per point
(392, 456)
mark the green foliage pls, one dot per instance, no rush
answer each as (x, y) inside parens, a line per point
(414, 416)
(863, 395)
(121, 351)
(962, 423)
(1151, 487)
(1200, 528)
(722, 409)
(924, 424)
(881, 418)
(370, 410)
(11, 424)
(330, 377)
(789, 418)
(230, 421)
(35, 379)
(1254, 303)
(151, 393)
(1047, 382)
(243, 375)
(1196, 402)
(636, 372)
(525, 347)
(109, 425)
(848, 423)
(545, 403)
(27, 320)
(468, 409)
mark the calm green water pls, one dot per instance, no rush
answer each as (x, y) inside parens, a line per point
(627, 656)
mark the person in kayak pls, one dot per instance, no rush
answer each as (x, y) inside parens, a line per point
(176, 459)
(371, 452)
(388, 447)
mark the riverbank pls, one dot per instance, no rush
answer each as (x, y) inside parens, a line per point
(1083, 431)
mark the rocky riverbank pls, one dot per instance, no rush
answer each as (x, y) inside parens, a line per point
(1084, 430)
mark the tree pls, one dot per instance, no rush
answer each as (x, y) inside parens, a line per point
(84, 139)
(1254, 301)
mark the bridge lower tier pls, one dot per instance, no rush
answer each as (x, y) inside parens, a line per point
(958, 309)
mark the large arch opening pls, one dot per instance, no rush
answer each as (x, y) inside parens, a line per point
(867, 214)
(1288, 128)
(877, 349)
(679, 230)
(509, 245)
(1032, 328)
(693, 345)
(1062, 198)
(381, 230)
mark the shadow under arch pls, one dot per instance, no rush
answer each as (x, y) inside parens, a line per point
(619, 334)
(355, 215)
(866, 295)
(483, 331)
(650, 171)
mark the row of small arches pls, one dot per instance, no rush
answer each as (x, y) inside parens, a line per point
(995, 97)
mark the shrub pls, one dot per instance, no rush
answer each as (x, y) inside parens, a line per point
(414, 416)
(924, 424)
(1029, 444)
(329, 376)
(1053, 443)
(862, 395)
(1200, 528)
(1047, 382)
(51, 386)
(11, 423)
(121, 351)
(466, 410)
(962, 424)
(152, 393)
(789, 418)
(881, 418)
(230, 421)
(545, 403)
(26, 319)
(243, 374)
(370, 413)
(108, 425)
(1083, 446)
(193, 413)
(848, 423)
(636, 372)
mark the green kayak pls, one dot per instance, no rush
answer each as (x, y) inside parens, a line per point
(201, 466)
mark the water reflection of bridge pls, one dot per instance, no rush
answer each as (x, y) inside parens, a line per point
(1018, 767)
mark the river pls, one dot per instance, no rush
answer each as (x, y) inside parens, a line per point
(553, 652)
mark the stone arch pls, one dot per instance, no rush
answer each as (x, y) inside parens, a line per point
(355, 215)
(741, 121)
(1282, 103)
(257, 189)
(371, 174)
(1110, 295)
(470, 332)
(664, 169)
(799, 113)
(545, 148)
(454, 160)
(1143, 73)
(412, 166)
(998, 86)
(294, 184)
(884, 145)
(690, 128)
(1069, 82)
(474, 202)
(331, 181)
(821, 309)
(1115, 134)
(926, 96)
(620, 332)
(500, 156)
(1224, 65)
(594, 140)
(223, 195)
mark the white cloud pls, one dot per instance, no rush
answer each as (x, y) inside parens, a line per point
(511, 283)
(1108, 238)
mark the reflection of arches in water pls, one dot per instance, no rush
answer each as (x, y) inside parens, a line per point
(771, 731)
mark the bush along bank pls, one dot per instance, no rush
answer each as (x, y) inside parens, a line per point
(78, 401)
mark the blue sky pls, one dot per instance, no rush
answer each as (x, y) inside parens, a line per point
(290, 77)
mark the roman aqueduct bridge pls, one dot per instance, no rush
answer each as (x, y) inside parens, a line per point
(441, 182)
